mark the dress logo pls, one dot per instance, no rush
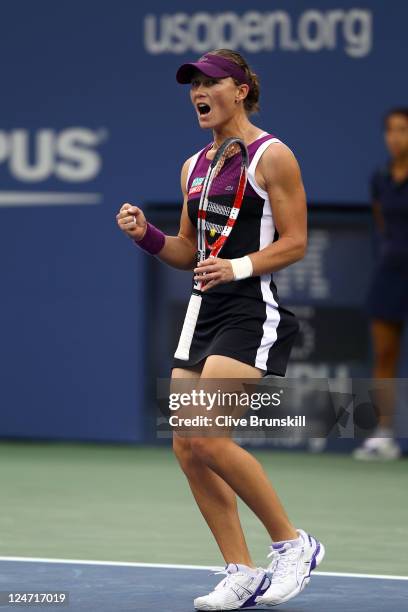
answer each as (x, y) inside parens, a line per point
(196, 185)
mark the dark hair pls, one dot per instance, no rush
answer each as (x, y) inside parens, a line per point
(399, 110)
(251, 102)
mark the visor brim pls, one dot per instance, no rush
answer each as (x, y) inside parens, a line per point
(186, 71)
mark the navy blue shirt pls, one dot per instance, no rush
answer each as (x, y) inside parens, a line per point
(393, 200)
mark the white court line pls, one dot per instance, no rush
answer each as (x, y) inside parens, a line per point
(176, 566)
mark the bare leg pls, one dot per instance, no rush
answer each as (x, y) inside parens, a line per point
(236, 466)
(386, 338)
(215, 498)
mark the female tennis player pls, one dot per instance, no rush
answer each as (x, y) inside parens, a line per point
(242, 330)
(388, 295)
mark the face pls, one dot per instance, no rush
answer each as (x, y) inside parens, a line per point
(396, 135)
(213, 99)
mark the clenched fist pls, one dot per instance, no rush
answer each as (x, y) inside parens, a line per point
(132, 221)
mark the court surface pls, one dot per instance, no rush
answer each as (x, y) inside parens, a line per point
(106, 588)
(129, 509)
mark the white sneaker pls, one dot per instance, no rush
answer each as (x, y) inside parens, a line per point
(378, 448)
(238, 590)
(290, 568)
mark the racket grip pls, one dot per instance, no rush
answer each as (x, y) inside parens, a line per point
(189, 325)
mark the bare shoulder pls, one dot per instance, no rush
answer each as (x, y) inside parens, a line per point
(184, 174)
(278, 161)
(186, 164)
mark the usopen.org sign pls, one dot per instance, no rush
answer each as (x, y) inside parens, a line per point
(311, 31)
(30, 158)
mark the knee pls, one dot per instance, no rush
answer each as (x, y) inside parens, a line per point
(183, 451)
(205, 450)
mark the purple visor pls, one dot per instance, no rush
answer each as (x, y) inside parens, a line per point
(214, 66)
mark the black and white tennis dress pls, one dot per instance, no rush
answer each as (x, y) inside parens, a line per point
(241, 319)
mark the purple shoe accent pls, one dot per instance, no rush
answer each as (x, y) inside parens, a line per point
(310, 540)
(258, 593)
(313, 560)
(313, 563)
(279, 545)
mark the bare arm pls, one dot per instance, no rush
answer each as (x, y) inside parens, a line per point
(178, 251)
(279, 175)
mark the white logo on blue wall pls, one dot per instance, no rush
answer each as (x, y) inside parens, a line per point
(31, 157)
(350, 31)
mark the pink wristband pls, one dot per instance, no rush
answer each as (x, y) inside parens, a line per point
(153, 240)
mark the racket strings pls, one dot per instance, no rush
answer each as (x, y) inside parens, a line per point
(219, 233)
(223, 196)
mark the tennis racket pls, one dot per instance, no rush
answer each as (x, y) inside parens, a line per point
(220, 203)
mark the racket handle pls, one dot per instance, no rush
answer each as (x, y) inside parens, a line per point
(189, 325)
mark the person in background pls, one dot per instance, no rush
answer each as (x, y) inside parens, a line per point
(388, 294)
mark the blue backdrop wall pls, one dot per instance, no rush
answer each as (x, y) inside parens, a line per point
(87, 91)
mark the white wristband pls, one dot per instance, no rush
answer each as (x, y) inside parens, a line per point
(241, 267)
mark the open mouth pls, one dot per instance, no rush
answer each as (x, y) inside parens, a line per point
(203, 108)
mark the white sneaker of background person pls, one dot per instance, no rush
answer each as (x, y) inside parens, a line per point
(238, 590)
(380, 445)
(290, 568)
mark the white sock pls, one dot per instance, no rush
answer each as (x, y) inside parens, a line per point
(294, 543)
(383, 432)
(233, 568)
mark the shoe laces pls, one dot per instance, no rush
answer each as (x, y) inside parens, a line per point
(225, 582)
(281, 562)
(229, 578)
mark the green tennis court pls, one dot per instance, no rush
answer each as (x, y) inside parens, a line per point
(120, 503)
